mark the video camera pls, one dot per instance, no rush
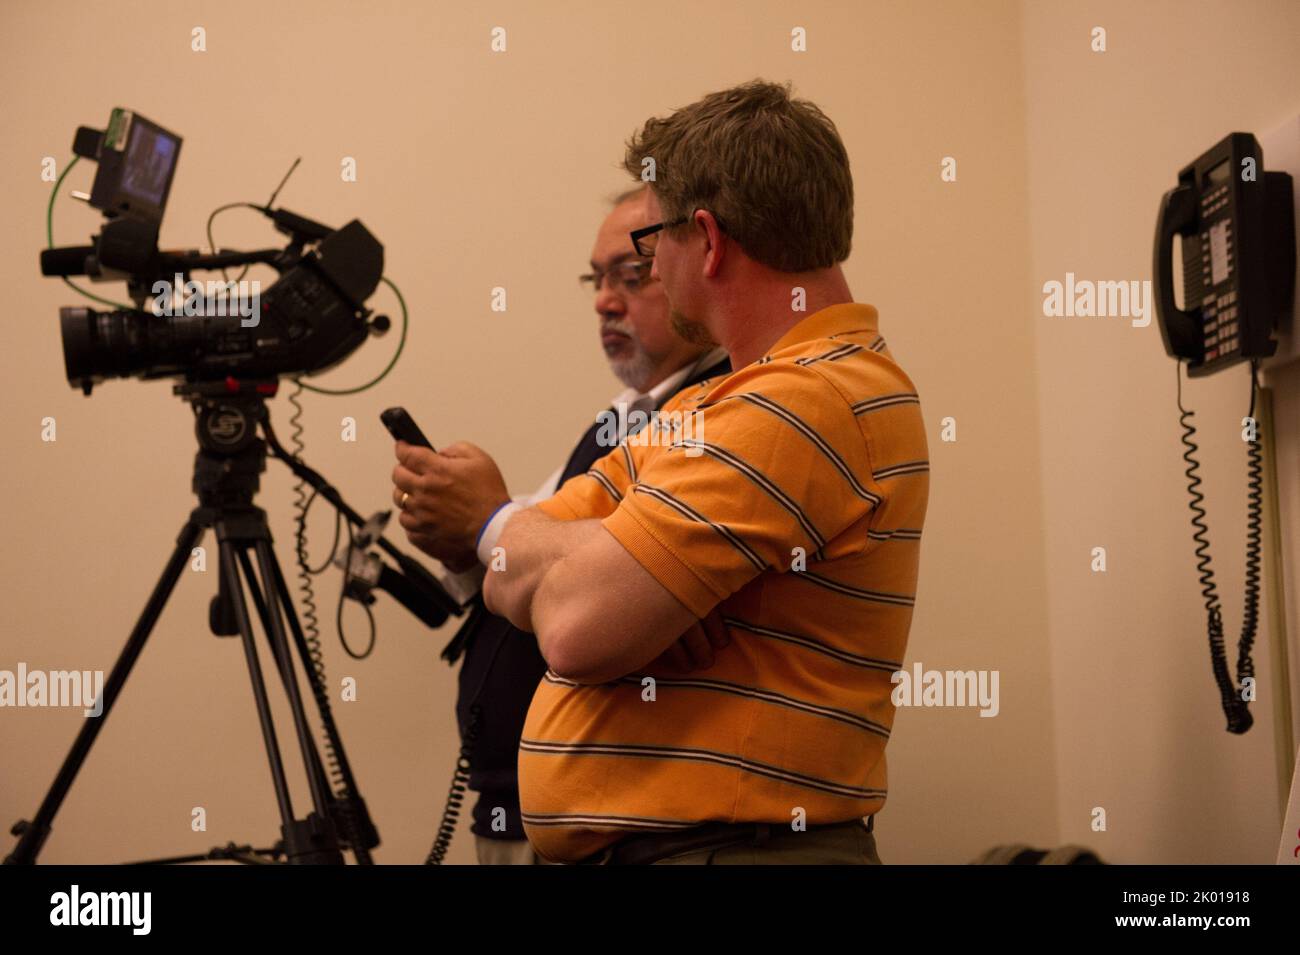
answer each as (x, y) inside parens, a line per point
(311, 318)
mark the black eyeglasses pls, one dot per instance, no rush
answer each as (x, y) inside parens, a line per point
(645, 240)
(625, 276)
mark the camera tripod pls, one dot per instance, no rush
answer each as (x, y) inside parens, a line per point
(230, 459)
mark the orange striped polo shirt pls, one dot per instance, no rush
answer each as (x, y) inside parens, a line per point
(790, 495)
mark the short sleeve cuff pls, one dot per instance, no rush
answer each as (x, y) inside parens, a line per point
(661, 562)
(555, 507)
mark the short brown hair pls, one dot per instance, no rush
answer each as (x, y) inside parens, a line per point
(628, 195)
(771, 168)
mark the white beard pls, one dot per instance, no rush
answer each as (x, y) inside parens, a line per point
(634, 372)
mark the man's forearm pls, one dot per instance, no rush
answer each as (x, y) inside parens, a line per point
(598, 614)
(531, 545)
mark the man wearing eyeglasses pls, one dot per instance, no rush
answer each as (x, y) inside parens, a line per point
(502, 664)
(792, 518)
(798, 522)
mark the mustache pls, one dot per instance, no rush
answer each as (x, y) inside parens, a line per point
(621, 327)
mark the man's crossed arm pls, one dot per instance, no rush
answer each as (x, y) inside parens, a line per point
(598, 614)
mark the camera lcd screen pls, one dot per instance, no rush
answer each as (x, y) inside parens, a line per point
(150, 161)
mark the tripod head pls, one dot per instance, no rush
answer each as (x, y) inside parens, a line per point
(233, 428)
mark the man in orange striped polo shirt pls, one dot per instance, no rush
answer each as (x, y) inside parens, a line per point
(777, 510)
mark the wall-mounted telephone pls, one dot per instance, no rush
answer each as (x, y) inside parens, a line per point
(1237, 224)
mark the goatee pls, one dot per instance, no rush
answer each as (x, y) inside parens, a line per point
(690, 330)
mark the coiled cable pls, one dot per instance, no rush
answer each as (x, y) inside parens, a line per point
(456, 795)
(1235, 707)
(1255, 481)
(338, 780)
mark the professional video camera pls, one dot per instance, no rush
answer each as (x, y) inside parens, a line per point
(310, 319)
(229, 355)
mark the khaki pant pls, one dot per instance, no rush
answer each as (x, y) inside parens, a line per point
(845, 846)
(505, 852)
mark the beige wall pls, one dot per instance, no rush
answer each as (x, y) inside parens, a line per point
(1139, 731)
(479, 170)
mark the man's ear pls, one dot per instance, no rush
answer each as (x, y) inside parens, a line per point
(714, 242)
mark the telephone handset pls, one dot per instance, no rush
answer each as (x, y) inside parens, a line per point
(1238, 228)
(1237, 223)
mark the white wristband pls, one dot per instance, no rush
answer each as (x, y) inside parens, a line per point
(492, 530)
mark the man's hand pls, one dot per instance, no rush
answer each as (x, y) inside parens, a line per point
(694, 648)
(451, 494)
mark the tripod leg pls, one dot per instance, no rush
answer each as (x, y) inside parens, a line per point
(363, 834)
(236, 596)
(313, 839)
(265, 565)
(33, 834)
(263, 613)
(347, 808)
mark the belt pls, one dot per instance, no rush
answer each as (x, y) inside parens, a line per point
(652, 847)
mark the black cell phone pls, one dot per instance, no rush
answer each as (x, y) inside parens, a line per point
(403, 427)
